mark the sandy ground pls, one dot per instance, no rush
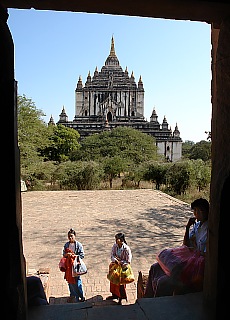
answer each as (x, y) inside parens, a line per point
(150, 219)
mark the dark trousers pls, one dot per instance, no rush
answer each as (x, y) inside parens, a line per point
(158, 284)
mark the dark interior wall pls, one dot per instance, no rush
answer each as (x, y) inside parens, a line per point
(14, 270)
(195, 10)
(222, 256)
(220, 185)
(210, 280)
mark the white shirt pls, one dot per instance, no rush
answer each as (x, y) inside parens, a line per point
(200, 233)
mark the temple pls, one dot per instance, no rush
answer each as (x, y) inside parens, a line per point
(111, 98)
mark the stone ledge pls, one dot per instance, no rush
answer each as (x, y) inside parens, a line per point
(44, 275)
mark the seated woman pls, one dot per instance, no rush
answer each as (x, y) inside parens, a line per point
(35, 292)
(176, 276)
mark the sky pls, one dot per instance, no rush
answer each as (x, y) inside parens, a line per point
(173, 58)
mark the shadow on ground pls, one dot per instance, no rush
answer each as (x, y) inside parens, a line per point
(95, 301)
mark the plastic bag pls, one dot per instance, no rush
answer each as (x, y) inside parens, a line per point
(114, 274)
(120, 274)
(79, 267)
(127, 275)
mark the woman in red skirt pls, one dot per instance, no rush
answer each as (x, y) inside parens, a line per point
(120, 254)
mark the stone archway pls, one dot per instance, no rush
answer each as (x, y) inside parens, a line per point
(214, 12)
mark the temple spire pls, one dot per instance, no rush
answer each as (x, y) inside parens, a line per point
(112, 61)
(112, 49)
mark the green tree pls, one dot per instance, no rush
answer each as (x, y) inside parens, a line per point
(179, 176)
(112, 167)
(136, 173)
(186, 148)
(202, 174)
(32, 131)
(80, 175)
(157, 173)
(62, 142)
(39, 174)
(127, 143)
(201, 150)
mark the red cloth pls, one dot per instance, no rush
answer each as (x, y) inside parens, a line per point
(172, 258)
(69, 266)
(187, 263)
(62, 264)
(193, 272)
(118, 290)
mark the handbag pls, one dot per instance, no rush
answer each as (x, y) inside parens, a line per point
(62, 264)
(79, 267)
